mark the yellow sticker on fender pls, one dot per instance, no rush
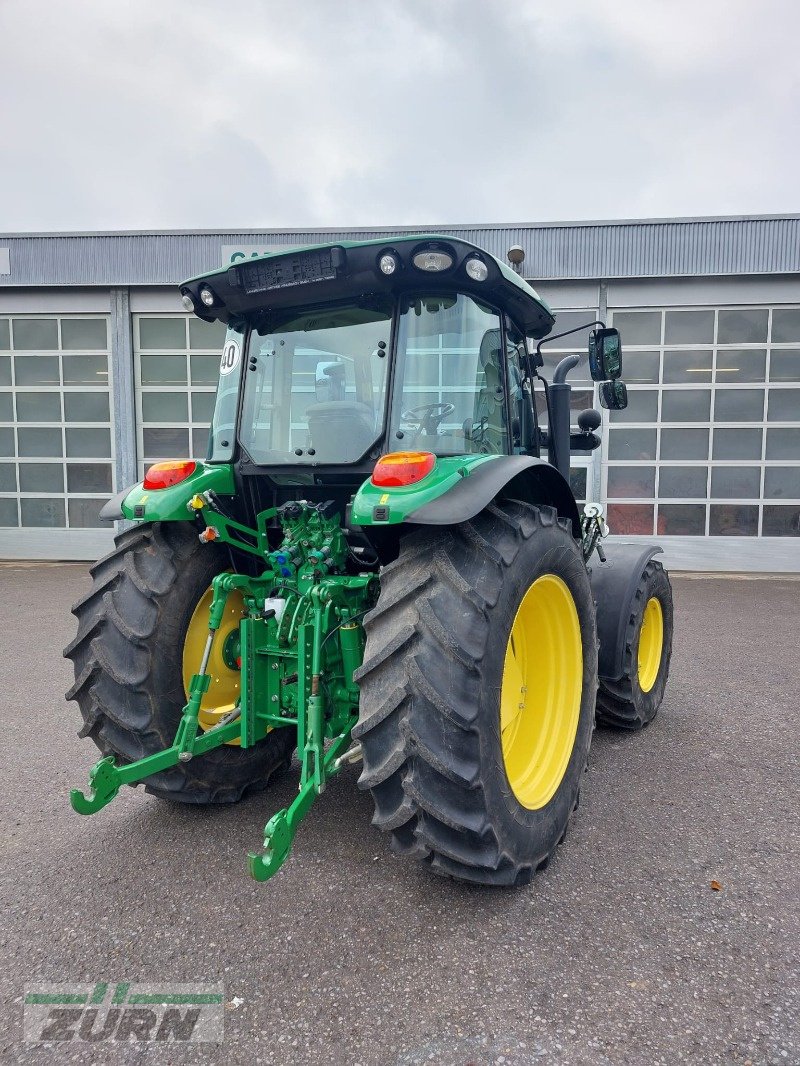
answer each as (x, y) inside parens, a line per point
(385, 498)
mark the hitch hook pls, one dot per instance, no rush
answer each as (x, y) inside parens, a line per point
(104, 784)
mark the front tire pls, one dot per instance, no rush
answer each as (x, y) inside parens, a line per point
(128, 660)
(631, 702)
(437, 693)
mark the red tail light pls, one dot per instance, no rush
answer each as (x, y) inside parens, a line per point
(164, 475)
(402, 468)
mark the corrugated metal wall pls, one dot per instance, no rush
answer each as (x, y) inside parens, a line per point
(636, 249)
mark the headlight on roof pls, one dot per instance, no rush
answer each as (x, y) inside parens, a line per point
(477, 269)
(387, 263)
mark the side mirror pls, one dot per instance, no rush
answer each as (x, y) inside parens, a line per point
(605, 354)
(613, 395)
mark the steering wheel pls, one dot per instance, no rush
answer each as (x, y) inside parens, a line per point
(429, 415)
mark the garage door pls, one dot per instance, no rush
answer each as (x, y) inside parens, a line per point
(709, 445)
(177, 368)
(56, 440)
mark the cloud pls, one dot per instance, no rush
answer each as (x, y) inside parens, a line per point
(268, 114)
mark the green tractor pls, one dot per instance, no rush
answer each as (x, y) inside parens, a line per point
(375, 564)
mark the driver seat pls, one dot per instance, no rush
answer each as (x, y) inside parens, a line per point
(489, 398)
(341, 430)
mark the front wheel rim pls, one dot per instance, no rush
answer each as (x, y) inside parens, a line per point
(540, 697)
(651, 643)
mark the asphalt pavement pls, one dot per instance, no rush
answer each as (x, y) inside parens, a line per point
(620, 952)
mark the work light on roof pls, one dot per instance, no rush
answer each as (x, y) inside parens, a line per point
(387, 263)
(187, 301)
(431, 260)
(207, 296)
(477, 269)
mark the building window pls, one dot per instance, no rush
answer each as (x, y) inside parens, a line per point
(56, 450)
(710, 441)
(177, 369)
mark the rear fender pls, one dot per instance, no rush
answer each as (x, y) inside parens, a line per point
(614, 584)
(518, 477)
(464, 486)
(139, 504)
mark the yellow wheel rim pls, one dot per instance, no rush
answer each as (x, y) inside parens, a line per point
(223, 692)
(540, 698)
(651, 643)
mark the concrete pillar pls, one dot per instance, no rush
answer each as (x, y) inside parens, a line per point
(122, 393)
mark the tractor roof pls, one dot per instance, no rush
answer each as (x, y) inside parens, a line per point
(317, 274)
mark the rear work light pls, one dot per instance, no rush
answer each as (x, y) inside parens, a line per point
(402, 468)
(164, 475)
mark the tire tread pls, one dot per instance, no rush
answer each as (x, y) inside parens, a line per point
(421, 743)
(121, 622)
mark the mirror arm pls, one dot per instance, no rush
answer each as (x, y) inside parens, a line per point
(566, 333)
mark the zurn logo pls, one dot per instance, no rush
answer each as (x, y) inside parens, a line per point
(133, 1013)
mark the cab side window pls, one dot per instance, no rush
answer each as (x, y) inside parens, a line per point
(523, 429)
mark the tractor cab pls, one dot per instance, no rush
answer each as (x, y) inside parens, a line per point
(355, 351)
(340, 354)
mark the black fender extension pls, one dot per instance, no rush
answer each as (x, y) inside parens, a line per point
(112, 510)
(516, 477)
(614, 584)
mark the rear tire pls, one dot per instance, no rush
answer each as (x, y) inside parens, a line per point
(431, 684)
(128, 655)
(632, 701)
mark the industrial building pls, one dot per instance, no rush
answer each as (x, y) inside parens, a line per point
(102, 372)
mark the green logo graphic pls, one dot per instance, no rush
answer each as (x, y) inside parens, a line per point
(132, 1013)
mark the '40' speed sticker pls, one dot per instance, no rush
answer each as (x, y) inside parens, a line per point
(230, 357)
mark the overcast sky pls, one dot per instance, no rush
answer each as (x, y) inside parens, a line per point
(258, 114)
